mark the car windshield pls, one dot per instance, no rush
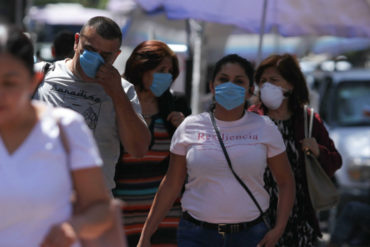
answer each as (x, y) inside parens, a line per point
(352, 103)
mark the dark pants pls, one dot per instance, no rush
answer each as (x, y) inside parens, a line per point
(192, 235)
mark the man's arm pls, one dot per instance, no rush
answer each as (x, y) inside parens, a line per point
(134, 133)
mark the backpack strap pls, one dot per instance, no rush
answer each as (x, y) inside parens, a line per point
(42, 73)
(47, 67)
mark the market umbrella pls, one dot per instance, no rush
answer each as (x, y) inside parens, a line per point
(341, 18)
(290, 17)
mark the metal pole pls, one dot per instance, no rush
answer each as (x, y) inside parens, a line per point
(19, 13)
(262, 32)
(197, 89)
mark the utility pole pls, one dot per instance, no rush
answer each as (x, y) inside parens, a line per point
(13, 12)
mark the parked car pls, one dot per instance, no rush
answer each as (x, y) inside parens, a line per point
(344, 105)
(345, 108)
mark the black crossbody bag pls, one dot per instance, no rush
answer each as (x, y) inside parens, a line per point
(264, 218)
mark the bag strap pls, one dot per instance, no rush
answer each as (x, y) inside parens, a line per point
(45, 69)
(231, 168)
(308, 125)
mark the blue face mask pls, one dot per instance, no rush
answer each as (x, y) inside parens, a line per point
(161, 82)
(229, 95)
(90, 62)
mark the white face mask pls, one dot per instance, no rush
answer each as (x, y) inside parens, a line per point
(271, 95)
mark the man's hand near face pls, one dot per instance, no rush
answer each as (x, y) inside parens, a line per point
(110, 79)
(133, 132)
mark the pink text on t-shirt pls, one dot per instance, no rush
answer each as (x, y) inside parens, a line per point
(202, 136)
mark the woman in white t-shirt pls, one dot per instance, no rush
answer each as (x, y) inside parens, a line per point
(36, 182)
(217, 210)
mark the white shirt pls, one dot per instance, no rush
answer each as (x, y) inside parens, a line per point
(212, 193)
(35, 180)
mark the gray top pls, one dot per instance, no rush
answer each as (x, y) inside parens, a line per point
(62, 88)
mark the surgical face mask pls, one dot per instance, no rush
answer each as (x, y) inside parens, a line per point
(229, 95)
(90, 62)
(271, 95)
(161, 82)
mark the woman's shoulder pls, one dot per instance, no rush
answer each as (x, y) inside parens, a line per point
(259, 119)
(199, 117)
(67, 115)
(64, 115)
(196, 119)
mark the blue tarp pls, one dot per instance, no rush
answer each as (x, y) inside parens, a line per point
(343, 18)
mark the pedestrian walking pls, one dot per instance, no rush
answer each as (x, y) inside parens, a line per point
(217, 210)
(152, 68)
(89, 84)
(37, 176)
(283, 94)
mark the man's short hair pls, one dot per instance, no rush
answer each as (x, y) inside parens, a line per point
(105, 27)
(63, 45)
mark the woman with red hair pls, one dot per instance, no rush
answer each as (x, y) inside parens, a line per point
(151, 68)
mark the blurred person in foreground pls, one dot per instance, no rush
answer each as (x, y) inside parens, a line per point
(63, 44)
(151, 68)
(89, 84)
(217, 211)
(283, 94)
(37, 176)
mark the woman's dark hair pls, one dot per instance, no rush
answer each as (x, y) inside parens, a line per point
(14, 42)
(147, 56)
(288, 67)
(105, 27)
(234, 58)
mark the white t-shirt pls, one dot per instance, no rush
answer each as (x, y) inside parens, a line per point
(212, 193)
(62, 88)
(35, 180)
